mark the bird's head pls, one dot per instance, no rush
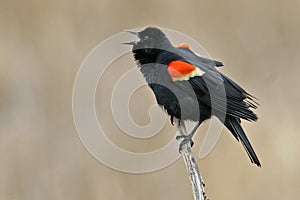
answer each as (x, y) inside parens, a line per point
(150, 37)
(151, 42)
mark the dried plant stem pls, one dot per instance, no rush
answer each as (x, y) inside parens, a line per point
(193, 171)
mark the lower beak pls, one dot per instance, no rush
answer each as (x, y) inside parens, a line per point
(130, 43)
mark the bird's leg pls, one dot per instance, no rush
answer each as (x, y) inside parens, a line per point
(187, 138)
(182, 131)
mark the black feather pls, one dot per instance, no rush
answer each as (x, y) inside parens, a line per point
(233, 124)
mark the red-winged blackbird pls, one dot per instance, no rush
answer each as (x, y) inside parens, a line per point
(189, 87)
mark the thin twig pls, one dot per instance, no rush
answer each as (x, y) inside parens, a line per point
(193, 170)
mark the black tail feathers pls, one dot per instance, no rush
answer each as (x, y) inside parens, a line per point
(233, 124)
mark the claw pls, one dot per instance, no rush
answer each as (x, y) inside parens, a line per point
(180, 136)
(187, 139)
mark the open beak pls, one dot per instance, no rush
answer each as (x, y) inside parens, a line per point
(136, 33)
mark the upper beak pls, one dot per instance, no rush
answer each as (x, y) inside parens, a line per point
(136, 33)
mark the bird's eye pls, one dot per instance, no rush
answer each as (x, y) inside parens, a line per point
(146, 37)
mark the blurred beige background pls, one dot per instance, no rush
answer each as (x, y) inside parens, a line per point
(42, 46)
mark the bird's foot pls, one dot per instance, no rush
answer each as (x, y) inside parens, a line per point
(186, 139)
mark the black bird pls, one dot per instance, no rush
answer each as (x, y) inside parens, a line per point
(189, 87)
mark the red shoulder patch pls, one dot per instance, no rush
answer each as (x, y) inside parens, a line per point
(183, 45)
(179, 68)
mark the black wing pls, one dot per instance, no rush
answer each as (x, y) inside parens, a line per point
(200, 59)
(224, 95)
(212, 88)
